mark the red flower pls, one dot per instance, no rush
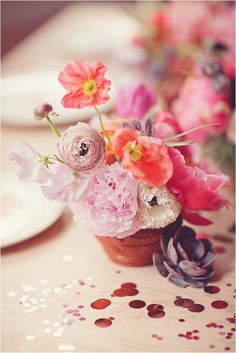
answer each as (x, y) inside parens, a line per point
(145, 157)
(85, 83)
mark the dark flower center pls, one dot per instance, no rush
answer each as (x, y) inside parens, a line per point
(153, 201)
(83, 150)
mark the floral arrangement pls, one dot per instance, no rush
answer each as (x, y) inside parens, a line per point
(128, 175)
(192, 67)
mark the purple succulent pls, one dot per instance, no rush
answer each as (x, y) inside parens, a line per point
(188, 260)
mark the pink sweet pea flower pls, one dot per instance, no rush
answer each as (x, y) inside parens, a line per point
(110, 206)
(63, 185)
(85, 83)
(195, 189)
(29, 167)
(198, 104)
(134, 101)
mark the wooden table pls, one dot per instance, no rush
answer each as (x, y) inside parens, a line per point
(54, 283)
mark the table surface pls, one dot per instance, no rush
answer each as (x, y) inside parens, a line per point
(42, 288)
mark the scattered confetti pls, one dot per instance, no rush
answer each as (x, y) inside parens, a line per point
(67, 258)
(11, 294)
(63, 347)
(29, 338)
(103, 322)
(212, 289)
(219, 304)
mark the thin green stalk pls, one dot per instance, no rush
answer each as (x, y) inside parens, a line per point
(101, 124)
(189, 131)
(53, 127)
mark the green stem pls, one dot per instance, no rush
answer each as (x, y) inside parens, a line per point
(189, 131)
(101, 124)
(53, 127)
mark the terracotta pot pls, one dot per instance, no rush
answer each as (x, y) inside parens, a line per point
(137, 249)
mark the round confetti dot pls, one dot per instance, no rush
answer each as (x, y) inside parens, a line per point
(181, 320)
(29, 338)
(67, 258)
(82, 318)
(44, 281)
(156, 314)
(80, 306)
(11, 294)
(47, 330)
(137, 304)
(196, 308)
(219, 304)
(45, 322)
(212, 289)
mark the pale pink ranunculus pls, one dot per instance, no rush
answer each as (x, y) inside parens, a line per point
(82, 148)
(30, 169)
(199, 104)
(85, 83)
(64, 185)
(109, 207)
(195, 189)
(134, 101)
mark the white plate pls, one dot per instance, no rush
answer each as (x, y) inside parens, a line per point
(25, 212)
(22, 93)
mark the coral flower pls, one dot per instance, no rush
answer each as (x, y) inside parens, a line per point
(85, 83)
(145, 157)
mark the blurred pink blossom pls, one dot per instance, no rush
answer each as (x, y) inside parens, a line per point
(198, 104)
(63, 185)
(29, 167)
(109, 207)
(134, 101)
(195, 189)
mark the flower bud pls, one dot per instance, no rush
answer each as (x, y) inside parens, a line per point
(42, 111)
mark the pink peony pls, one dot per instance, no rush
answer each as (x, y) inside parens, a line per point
(195, 189)
(109, 207)
(86, 84)
(198, 104)
(29, 167)
(145, 157)
(63, 185)
(82, 148)
(133, 101)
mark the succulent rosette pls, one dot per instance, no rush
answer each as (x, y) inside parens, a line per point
(188, 261)
(82, 148)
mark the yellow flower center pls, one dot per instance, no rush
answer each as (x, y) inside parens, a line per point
(89, 87)
(135, 150)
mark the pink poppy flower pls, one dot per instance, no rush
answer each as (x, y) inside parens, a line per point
(195, 189)
(63, 185)
(134, 101)
(85, 83)
(145, 157)
(198, 104)
(110, 206)
(29, 167)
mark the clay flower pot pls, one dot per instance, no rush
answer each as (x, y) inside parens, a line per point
(136, 250)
